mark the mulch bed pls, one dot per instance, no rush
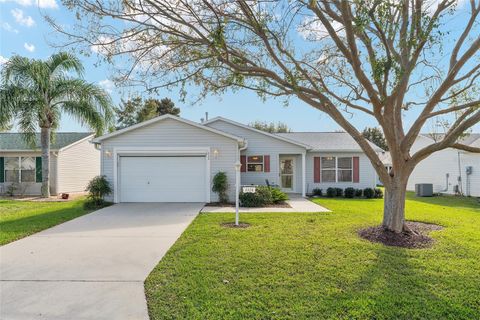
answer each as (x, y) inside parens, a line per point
(416, 238)
(241, 225)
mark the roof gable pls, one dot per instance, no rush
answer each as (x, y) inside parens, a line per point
(16, 142)
(161, 118)
(275, 136)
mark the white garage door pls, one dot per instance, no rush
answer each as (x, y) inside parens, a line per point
(162, 179)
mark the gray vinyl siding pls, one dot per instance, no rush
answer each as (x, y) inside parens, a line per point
(367, 172)
(77, 165)
(260, 144)
(32, 188)
(434, 169)
(172, 133)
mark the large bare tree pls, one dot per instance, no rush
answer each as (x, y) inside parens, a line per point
(388, 59)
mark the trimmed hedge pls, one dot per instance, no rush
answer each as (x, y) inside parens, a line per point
(368, 193)
(349, 192)
(331, 192)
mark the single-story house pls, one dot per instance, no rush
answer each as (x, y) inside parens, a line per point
(74, 161)
(451, 171)
(170, 159)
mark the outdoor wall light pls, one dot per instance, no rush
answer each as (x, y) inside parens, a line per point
(215, 153)
(108, 153)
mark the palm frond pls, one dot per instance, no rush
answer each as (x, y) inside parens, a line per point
(64, 62)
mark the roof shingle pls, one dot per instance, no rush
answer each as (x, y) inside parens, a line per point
(15, 141)
(327, 141)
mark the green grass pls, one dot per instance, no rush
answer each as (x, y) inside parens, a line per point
(19, 219)
(314, 266)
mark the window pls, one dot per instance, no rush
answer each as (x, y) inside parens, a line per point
(255, 164)
(27, 169)
(12, 169)
(328, 169)
(345, 169)
(19, 169)
(337, 169)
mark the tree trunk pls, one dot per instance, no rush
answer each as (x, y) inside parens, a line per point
(394, 205)
(45, 144)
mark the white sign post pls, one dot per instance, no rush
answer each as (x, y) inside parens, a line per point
(238, 166)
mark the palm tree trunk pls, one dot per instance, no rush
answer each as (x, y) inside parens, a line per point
(45, 143)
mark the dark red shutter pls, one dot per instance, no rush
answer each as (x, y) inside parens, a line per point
(266, 161)
(316, 170)
(356, 169)
(243, 161)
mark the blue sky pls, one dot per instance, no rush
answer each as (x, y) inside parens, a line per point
(23, 31)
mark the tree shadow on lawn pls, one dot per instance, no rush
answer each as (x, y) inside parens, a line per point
(400, 283)
(447, 201)
(15, 229)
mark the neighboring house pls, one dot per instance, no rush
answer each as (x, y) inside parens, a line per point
(170, 159)
(73, 162)
(447, 169)
(386, 159)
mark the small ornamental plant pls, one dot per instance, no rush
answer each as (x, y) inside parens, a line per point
(220, 186)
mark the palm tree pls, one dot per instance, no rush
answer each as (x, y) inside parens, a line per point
(34, 93)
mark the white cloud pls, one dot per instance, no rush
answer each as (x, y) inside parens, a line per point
(44, 4)
(107, 85)
(313, 29)
(30, 47)
(103, 45)
(8, 27)
(22, 19)
(48, 4)
(3, 60)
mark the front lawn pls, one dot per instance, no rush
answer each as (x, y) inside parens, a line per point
(19, 219)
(314, 266)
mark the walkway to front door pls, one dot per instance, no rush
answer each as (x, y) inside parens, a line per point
(92, 267)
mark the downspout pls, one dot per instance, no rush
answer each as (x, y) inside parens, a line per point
(446, 186)
(460, 183)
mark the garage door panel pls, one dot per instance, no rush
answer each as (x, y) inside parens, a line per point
(163, 179)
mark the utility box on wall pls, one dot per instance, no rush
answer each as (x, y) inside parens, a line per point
(424, 189)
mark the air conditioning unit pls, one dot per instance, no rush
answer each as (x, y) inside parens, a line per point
(424, 189)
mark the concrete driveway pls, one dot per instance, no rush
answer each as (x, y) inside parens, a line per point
(92, 267)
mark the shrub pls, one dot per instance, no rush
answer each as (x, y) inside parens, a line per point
(368, 193)
(98, 188)
(349, 192)
(12, 189)
(278, 195)
(220, 186)
(338, 192)
(317, 192)
(91, 204)
(377, 193)
(358, 192)
(261, 197)
(331, 192)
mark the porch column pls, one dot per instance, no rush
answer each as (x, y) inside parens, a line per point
(304, 182)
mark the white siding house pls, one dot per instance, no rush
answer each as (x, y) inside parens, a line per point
(74, 161)
(172, 159)
(162, 138)
(447, 169)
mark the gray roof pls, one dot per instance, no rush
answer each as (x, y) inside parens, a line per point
(15, 141)
(469, 139)
(328, 141)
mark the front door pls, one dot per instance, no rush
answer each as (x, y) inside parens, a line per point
(287, 169)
